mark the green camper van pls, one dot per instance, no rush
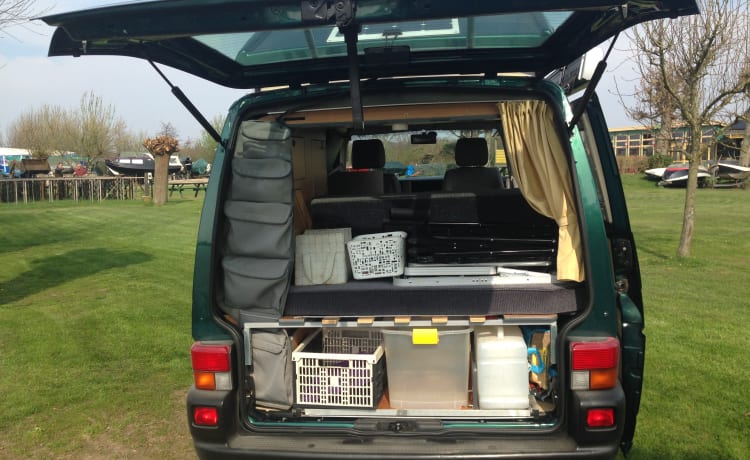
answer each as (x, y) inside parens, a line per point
(480, 301)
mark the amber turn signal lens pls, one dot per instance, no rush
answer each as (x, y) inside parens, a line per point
(204, 380)
(602, 379)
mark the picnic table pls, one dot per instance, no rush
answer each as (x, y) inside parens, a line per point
(179, 185)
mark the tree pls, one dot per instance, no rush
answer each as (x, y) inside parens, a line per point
(14, 12)
(127, 141)
(94, 135)
(92, 130)
(43, 131)
(702, 65)
(161, 147)
(745, 145)
(205, 146)
(168, 129)
(652, 107)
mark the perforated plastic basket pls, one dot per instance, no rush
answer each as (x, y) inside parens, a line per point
(377, 255)
(338, 379)
(351, 341)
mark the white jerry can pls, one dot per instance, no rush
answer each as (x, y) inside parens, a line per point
(502, 368)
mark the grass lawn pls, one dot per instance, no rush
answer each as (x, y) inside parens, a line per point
(696, 399)
(95, 327)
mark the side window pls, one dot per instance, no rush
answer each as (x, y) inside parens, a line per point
(592, 152)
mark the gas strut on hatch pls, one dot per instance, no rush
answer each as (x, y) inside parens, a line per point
(190, 106)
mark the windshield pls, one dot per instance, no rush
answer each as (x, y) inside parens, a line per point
(406, 157)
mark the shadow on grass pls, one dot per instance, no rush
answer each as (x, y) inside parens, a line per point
(653, 253)
(53, 271)
(30, 236)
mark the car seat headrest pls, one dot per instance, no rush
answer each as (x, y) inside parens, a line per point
(471, 151)
(368, 154)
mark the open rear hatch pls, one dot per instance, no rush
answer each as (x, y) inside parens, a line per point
(254, 44)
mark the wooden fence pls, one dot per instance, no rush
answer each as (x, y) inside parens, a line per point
(94, 188)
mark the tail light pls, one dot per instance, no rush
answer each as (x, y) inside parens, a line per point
(603, 417)
(212, 368)
(595, 365)
(206, 416)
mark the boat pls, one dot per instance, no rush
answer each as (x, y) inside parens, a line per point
(676, 175)
(29, 167)
(730, 169)
(140, 165)
(654, 173)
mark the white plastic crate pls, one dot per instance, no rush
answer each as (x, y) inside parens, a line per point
(338, 379)
(356, 341)
(377, 255)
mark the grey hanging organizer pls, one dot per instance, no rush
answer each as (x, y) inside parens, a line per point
(259, 251)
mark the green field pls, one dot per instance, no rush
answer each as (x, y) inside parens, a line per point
(95, 327)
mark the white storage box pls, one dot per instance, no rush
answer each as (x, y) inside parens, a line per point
(377, 255)
(337, 379)
(502, 367)
(320, 257)
(428, 374)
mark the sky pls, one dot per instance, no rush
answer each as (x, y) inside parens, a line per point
(29, 79)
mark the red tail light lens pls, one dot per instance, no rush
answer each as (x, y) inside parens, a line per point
(206, 416)
(210, 358)
(595, 365)
(595, 355)
(600, 418)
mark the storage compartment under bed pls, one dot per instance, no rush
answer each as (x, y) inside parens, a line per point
(415, 367)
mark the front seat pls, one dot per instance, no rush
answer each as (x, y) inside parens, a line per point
(367, 176)
(471, 174)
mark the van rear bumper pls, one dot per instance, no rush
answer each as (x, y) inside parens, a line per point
(231, 441)
(293, 446)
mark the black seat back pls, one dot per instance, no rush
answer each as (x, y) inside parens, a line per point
(367, 176)
(472, 175)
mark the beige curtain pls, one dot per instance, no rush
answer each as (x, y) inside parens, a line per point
(541, 171)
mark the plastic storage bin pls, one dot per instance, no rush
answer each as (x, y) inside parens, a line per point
(337, 379)
(427, 375)
(502, 368)
(320, 257)
(377, 255)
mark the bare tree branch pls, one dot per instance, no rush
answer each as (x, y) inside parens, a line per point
(14, 12)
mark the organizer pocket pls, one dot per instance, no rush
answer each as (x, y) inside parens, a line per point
(272, 369)
(262, 180)
(272, 149)
(260, 139)
(259, 229)
(264, 131)
(253, 283)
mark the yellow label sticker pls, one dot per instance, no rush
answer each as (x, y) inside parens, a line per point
(425, 337)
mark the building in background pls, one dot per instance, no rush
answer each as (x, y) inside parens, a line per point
(638, 141)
